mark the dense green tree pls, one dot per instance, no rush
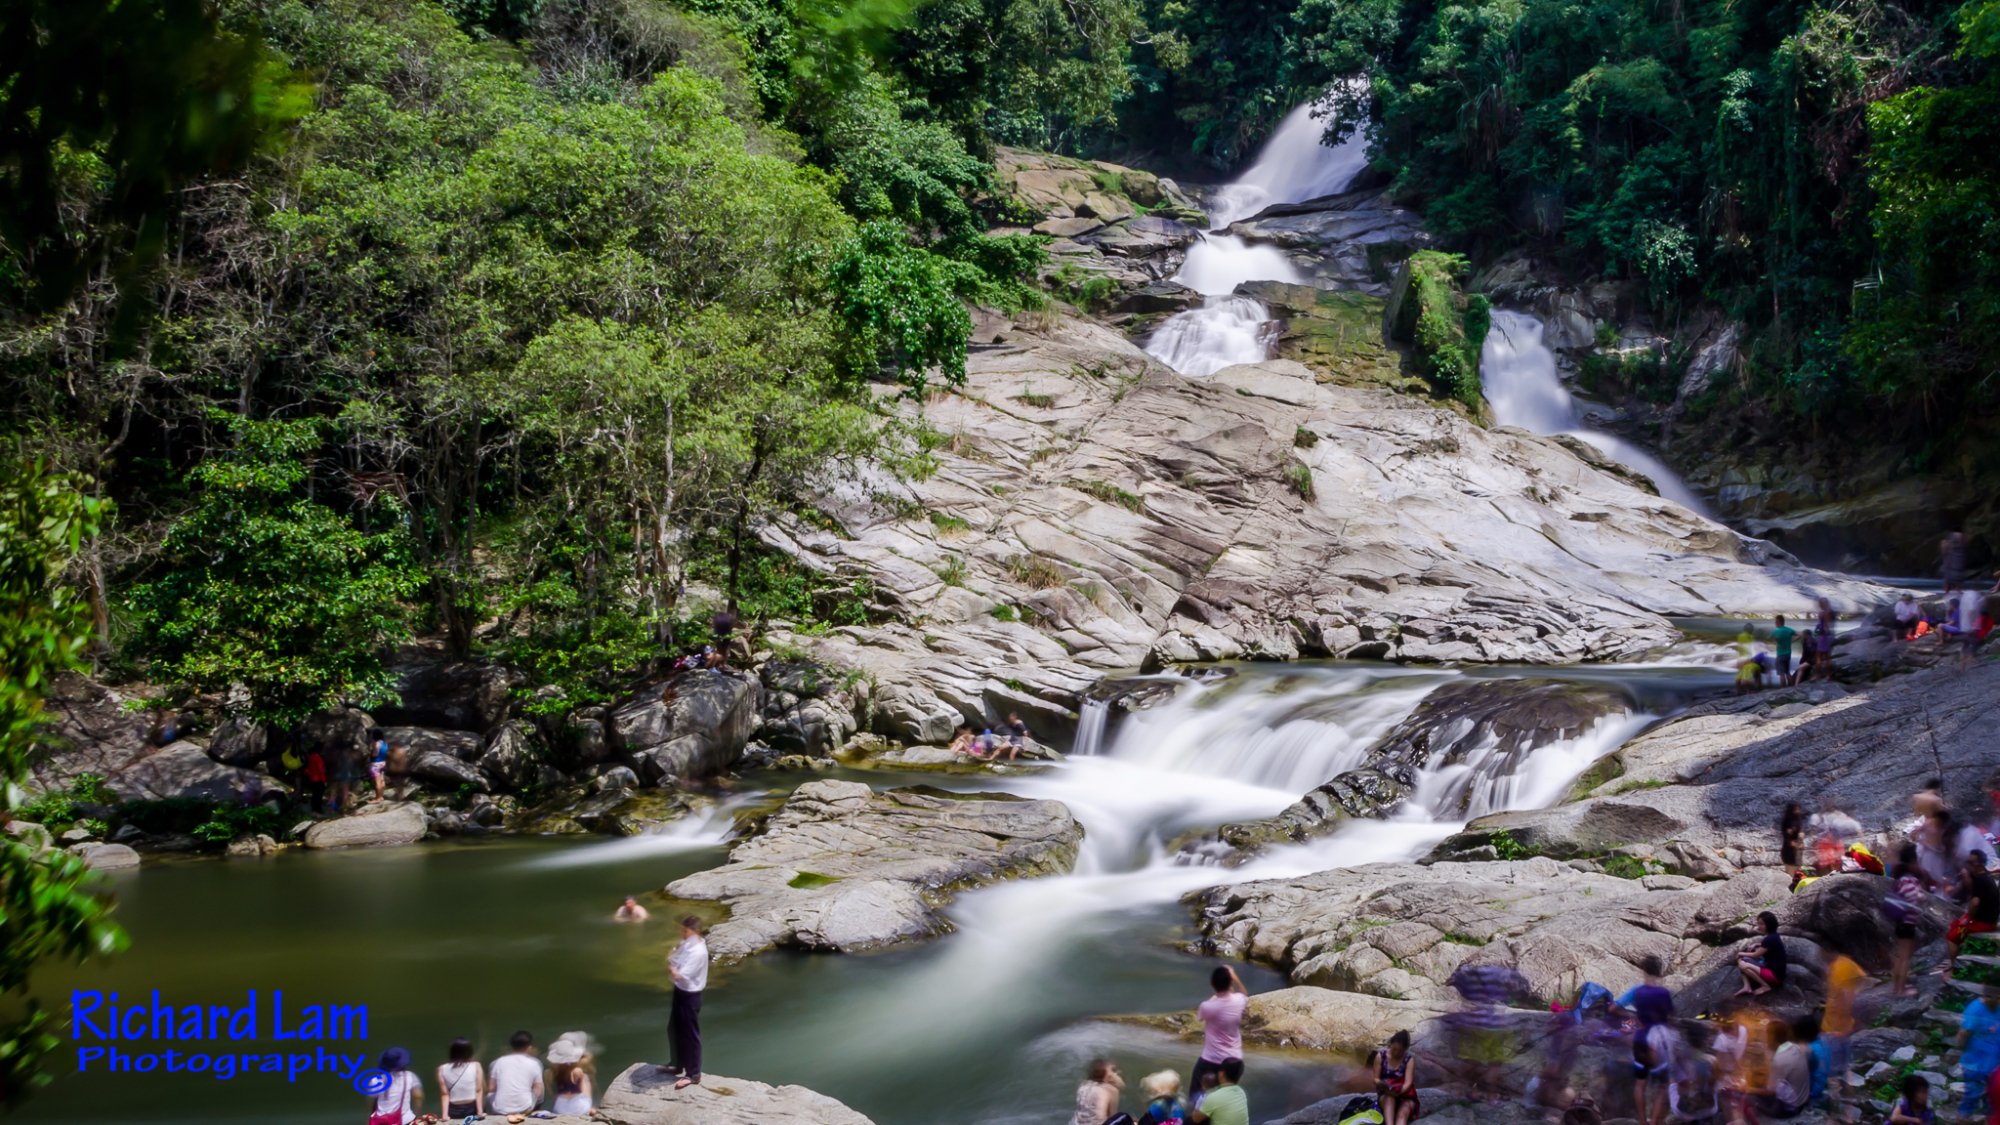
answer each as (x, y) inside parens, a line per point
(46, 908)
(262, 586)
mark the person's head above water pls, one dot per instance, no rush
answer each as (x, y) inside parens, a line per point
(1101, 1070)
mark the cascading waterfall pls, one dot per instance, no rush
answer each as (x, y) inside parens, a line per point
(1517, 372)
(1090, 727)
(1229, 329)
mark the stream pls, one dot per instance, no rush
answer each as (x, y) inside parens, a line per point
(993, 1022)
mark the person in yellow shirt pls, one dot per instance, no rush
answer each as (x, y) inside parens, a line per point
(1843, 980)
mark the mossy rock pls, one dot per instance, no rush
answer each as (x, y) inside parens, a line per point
(1429, 311)
(1336, 333)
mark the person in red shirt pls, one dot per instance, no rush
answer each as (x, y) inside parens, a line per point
(314, 773)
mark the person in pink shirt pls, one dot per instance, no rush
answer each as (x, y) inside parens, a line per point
(1222, 1024)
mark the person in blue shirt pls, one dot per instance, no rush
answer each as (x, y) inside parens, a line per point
(1979, 1038)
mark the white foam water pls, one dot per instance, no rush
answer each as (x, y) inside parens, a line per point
(1227, 330)
(1517, 373)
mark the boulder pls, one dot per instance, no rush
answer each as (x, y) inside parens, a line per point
(693, 726)
(446, 772)
(1401, 930)
(238, 742)
(456, 695)
(840, 867)
(914, 714)
(185, 770)
(1585, 828)
(382, 825)
(96, 729)
(105, 857)
(340, 731)
(587, 738)
(642, 1095)
(815, 727)
(1305, 1018)
(627, 812)
(463, 745)
(515, 759)
(615, 779)
(251, 847)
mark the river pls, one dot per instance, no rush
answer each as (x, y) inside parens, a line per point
(992, 1023)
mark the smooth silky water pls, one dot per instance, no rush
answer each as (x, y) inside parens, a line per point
(990, 1024)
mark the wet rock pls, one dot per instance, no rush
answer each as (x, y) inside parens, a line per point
(380, 825)
(456, 695)
(842, 868)
(446, 772)
(184, 770)
(105, 857)
(515, 759)
(615, 779)
(1586, 828)
(251, 847)
(588, 736)
(644, 1096)
(693, 726)
(237, 742)
(1351, 240)
(629, 813)
(463, 745)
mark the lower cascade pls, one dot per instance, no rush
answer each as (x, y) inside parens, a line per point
(1517, 373)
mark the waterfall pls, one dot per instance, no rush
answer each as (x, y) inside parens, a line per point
(1227, 329)
(1090, 727)
(1517, 372)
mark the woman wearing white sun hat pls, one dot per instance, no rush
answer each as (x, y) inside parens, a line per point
(569, 1073)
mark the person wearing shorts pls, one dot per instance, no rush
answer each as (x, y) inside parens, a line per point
(1763, 962)
(1982, 905)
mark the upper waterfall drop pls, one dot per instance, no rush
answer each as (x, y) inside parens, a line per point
(1517, 373)
(1293, 166)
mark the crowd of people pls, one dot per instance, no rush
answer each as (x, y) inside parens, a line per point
(1743, 1061)
(522, 1085)
(514, 1086)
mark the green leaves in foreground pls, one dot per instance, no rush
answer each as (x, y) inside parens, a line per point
(44, 625)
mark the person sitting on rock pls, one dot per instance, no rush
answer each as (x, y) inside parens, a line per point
(961, 742)
(1014, 736)
(1908, 613)
(1763, 962)
(1396, 1081)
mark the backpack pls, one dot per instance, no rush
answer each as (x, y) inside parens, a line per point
(1360, 1111)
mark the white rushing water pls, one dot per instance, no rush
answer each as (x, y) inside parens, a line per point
(705, 827)
(1228, 329)
(1517, 372)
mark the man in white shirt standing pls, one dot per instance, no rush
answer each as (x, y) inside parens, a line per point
(688, 965)
(1221, 1025)
(514, 1081)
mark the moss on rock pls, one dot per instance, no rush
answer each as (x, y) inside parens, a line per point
(1429, 310)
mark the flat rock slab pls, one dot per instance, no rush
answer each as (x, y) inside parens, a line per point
(184, 770)
(374, 826)
(1305, 1018)
(843, 868)
(644, 1096)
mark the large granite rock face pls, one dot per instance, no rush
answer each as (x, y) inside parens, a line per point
(1093, 512)
(693, 726)
(373, 826)
(184, 769)
(99, 728)
(1726, 768)
(843, 868)
(1400, 930)
(644, 1096)
(1305, 1018)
